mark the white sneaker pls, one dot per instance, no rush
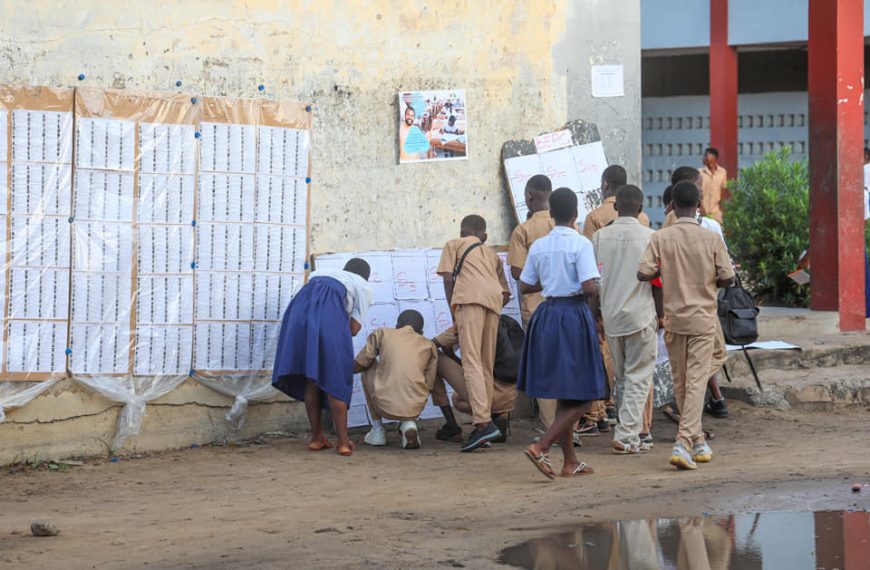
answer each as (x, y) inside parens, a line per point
(702, 453)
(681, 458)
(410, 435)
(376, 436)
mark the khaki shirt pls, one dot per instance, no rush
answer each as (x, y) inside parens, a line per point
(447, 339)
(522, 238)
(713, 183)
(669, 220)
(603, 215)
(407, 364)
(481, 281)
(627, 304)
(690, 259)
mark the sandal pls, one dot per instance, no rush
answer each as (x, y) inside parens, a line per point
(581, 469)
(319, 445)
(346, 451)
(542, 462)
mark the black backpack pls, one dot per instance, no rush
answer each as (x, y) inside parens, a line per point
(738, 315)
(508, 348)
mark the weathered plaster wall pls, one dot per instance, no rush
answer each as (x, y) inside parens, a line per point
(524, 66)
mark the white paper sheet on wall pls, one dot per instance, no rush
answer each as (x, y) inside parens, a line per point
(281, 200)
(227, 147)
(104, 196)
(224, 295)
(166, 198)
(225, 247)
(105, 144)
(279, 248)
(283, 151)
(410, 275)
(272, 294)
(519, 170)
(36, 346)
(559, 166)
(40, 136)
(163, 350)
(222, 346)
(164, 299)
(226, 197)
(100, 348)
(103, 246)
(265, 343)
(167, 148)
(100, 297)
(591, 162)
(4, 134)
(41, 188)
(40, 241)
(4, 188)
(165, 249)
(38, 293)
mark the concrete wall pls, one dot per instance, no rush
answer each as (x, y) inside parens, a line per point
(524, 66)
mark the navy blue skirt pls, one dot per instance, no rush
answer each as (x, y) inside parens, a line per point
(314, 343)
(561, 357)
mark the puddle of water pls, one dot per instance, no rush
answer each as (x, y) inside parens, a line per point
(777, 541)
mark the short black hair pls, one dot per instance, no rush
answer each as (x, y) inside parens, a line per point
(685, 173)
(667, 195)
(473, 223)
(412, 319)
(358, 266)
(539, 183)
(711, 150)
(410, 108)
(866, 151)
(686, 195)
(615, 175)
(451, 119)
(630, 199)
(563, 205)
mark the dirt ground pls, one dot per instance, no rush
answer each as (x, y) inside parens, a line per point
(276, 505)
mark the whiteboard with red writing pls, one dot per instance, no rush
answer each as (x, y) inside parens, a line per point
(401, 280)
(578, 167)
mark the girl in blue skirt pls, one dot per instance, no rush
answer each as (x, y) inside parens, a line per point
(561, 357)
(315, 351)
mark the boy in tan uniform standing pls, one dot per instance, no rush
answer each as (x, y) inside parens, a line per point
(398, 367)
(476, 290)
(693, 263)
(539, 224)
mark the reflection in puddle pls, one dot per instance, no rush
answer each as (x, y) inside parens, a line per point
(778, 541)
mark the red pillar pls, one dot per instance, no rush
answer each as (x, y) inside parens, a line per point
(836, 139)
(723, 88)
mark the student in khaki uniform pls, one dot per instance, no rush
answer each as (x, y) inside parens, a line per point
(628, 310)
(693, 263)
(476, 290)
(714, 181)
(504, 394)
(398, 367)
(539, 224)
(716, 406)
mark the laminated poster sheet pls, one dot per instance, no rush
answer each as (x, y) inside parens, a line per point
(401, 280)
(147, 233)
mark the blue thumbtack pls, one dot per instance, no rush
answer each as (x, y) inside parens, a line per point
(193, 265)
(190, 373)
(193, 100)
(70, 219)
(193, 223)
(197, 134)
(81, 76)
(308, 108)
(306, 265)
(261, 87)
(178, 83)
(308, 180)
(68, 351)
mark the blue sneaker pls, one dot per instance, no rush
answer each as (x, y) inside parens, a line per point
(481, 436)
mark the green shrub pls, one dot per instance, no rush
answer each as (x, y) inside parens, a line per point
(767, 227)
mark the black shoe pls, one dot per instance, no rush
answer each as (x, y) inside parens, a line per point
(587, 428)
(449, 433)
(603, 426)
(503, 423)
(612, 417)
(481, 436)
(717, 408)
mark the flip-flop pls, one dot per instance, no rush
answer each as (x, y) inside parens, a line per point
(319, 445)
(581, 469)
(542, 462)
(346, 451)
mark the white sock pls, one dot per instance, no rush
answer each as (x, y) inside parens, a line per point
(377, 424)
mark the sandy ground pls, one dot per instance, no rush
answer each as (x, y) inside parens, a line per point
(278, 506)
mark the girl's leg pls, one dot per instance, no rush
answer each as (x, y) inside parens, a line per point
(572, 414)
(339, 418)
(566, 417)
(313, 403)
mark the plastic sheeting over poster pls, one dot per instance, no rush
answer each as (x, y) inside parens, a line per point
(401, 280)
(147, 234)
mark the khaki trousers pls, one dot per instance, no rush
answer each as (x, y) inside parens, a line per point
(720, 353)
(546, 407)
(634, 361)
(691, 357)
(598, 410)
(478, 328)
(504, 395)
(648, 413)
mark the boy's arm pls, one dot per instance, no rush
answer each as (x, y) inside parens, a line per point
(445, 269)
(648, 268)
(370, 351)
(448, 286)
(517, 252)
(505, 290)
(724, 268)
(530, 281)
(355, 327)
(659, 300)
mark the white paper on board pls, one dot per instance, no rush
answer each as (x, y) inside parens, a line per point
(163, 350)
(100, 348)
(590, 161)
(227, 147)
(519, 169)
(560, 168)
(39, 136)
(608, 81)
(166, 198)
(224, 295)
(106, 144)
(222, 346)
(36, 346)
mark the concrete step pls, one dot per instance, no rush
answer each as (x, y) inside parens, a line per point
(812, 388)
